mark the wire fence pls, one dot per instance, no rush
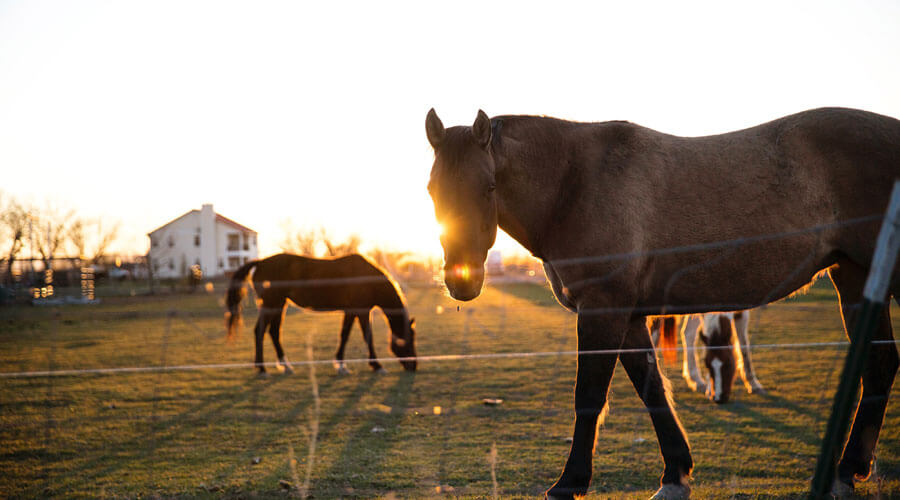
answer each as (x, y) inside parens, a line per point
(145, 397)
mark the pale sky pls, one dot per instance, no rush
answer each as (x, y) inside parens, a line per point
(314, 111)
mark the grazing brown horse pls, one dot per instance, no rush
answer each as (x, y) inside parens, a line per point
(351, 284)
(612, 210)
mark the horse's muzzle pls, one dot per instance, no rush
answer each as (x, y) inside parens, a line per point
(464, 282)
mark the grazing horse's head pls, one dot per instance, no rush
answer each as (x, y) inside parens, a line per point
(718, 331)
(403, 340)
(462, 187)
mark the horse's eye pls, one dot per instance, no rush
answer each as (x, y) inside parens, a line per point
(491, 188)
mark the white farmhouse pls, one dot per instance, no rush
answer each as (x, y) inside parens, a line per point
(201, 238)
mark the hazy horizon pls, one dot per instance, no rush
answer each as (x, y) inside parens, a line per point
(314, 114)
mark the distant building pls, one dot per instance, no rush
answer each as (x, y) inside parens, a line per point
(201, 238)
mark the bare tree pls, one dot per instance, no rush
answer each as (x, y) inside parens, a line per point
(91, 246)
(336, 249)
(78, 237)
(316, 242)
(302, 242)
(392, 261)
(106, 235)
(51, 233)
(13, 224)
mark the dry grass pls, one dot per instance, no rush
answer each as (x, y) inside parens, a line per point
(225, 433)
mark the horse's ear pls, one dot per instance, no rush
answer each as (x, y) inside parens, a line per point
(482, 129)
(412, 322)
(434, 129)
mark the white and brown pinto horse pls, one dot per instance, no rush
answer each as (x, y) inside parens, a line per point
(726, 338)
(611, 209)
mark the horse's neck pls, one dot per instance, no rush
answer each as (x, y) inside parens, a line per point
(528, 183)
(392, 305)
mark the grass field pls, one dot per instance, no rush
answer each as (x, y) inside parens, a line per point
(223, 432)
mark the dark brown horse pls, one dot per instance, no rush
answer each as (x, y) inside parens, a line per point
(613, 211)
(351, 284)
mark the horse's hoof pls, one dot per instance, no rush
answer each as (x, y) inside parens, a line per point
(342, 370)
(262, 375)
(841, 489)
(564, 493)
(672, 492)
(757, 388)
(288, 370)
(380, 370)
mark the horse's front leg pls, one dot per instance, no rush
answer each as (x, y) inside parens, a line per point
(642, 368)
(367, 336)
(689, 368)
(259, 335)
(345, 334)
(275, 333)
(596, 332)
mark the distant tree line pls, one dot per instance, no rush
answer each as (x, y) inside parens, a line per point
(318, 242)
(48, 234)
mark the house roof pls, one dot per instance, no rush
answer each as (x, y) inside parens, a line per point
(189, 212)
(226, 220)
(219, 218)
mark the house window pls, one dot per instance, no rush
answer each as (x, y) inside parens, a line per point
(154, 242)
(196, 240)
(244, 260)
(220, 262)
(246, 241)
(233, 262)
(234, 242)
(171, 264)
(254, 240)
(171, 241)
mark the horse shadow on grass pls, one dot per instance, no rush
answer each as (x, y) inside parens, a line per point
(373, 438)
(161, 429)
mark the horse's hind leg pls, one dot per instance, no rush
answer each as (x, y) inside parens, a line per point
(748, 375)
(367, 336)
(878, 375)
(648, 381)
(275, 333)
(345, 334)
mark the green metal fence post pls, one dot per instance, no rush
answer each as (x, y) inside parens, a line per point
(873, 302)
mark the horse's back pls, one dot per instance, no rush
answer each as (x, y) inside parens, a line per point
(781, 200)
(343, 283)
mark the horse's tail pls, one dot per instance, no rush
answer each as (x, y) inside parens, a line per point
(235, 296)
(667, 341)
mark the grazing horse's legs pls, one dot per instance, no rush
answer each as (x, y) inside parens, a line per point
(367, 336)
(878, 375)
(595, 332)
(345, 334)
(643, 370)
(741, 327)
(267, 314)
(275, 333)
(689, 367)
